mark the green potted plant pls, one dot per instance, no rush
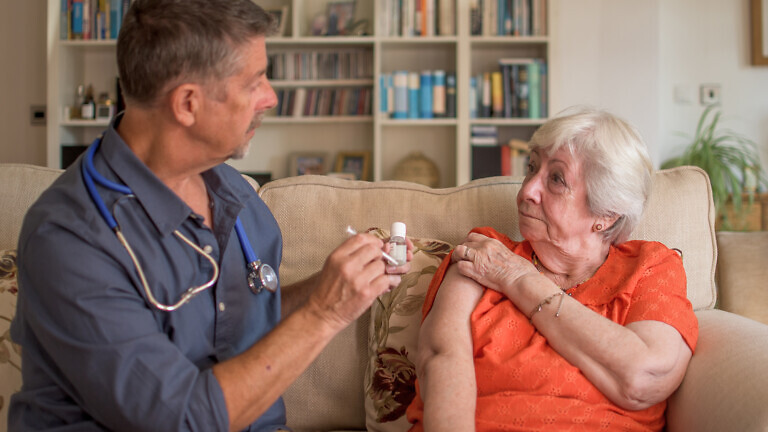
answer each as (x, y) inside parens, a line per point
(728, 158)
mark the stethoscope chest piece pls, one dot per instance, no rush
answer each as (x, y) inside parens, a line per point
(261, 276)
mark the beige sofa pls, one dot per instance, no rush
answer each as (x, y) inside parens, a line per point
(725, 388)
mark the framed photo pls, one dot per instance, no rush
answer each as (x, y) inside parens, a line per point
(339, 15)
(358, 163)
(281, 15)
(759, 32)
(307, 163)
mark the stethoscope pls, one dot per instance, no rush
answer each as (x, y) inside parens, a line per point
(260, 275)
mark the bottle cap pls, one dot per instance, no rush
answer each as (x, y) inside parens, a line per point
(398, 230)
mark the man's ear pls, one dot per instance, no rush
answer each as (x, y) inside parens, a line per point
(186, 101)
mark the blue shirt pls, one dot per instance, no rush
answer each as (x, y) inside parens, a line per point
(96, 355)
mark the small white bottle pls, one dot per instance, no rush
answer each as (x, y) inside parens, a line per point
(397, 247)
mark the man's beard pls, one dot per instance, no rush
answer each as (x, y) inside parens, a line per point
(242, 151)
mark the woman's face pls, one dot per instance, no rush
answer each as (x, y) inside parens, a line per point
(552, 203)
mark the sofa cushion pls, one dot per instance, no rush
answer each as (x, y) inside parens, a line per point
(393, 336)
(10, 359)
(742, 272)
(20, 186)
(313, 211)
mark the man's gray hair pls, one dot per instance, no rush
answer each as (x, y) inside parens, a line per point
(163, 43)
(615, 165)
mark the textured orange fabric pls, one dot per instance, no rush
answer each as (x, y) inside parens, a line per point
(523, 384)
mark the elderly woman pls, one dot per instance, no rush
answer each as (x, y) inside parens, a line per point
(574, 328)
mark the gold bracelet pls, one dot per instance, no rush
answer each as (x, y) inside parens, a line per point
(544, 302)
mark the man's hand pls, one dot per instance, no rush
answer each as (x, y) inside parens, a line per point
(352, 277)
(395, 272)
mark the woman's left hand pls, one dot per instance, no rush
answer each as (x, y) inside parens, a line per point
(490, 263)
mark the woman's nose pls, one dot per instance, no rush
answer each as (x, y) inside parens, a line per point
(531, 188)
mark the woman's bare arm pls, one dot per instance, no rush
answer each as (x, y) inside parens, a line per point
(444, 364)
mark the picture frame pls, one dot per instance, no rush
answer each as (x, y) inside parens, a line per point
(759, 14)
(302, 163)
(339, 15)
(358, 163)
(281, 15)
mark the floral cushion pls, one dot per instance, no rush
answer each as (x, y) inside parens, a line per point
(10, 360)
(393, 337)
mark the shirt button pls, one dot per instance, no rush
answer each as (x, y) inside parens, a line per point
(208, 249)
(222, 306)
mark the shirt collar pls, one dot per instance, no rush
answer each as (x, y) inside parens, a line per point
(164, 208)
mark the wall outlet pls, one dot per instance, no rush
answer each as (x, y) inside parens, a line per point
(37, 115)
(709, 94)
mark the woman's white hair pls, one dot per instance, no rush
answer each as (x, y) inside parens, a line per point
(615, 164)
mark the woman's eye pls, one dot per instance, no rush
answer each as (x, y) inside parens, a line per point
(558, 180)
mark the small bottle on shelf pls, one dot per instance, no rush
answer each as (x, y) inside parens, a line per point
(88, 106)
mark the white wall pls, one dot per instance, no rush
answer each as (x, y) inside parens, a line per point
(604, 53)
(712, 46)
(22, 80)
(627, 56)
(630, 56)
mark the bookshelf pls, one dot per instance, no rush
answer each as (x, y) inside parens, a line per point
(446, 141)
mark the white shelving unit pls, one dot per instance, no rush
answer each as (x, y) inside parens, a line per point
(445, 141)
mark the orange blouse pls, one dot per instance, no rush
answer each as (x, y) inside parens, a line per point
(523, 384)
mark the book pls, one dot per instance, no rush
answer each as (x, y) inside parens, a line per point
(497, 95)
(544, 107)
(485, 105)
(77, 19)
(522, 91)
(414, 105)
(447, 20)
(64, 20)
(534, 90)
(505, 160)
(484, 135)
(425, 95)
(485, 161)
(450, 95)
(384, 93)
(506, 82)
(475, 18)
(472, 97)
(400, 85)
(438, 94)
(86, 19)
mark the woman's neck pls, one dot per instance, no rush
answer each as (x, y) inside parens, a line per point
(570, 270)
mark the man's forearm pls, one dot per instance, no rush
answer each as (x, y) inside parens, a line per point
(295, 295)
(271, 366)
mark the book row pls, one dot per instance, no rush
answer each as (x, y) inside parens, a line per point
(508, 17)
(418, 95)
(91, 19)
(518, 89)
(490, 157)
(350, 64)
(315, 102)
(418, 17)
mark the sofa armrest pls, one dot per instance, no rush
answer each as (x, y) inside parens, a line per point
(726, 385)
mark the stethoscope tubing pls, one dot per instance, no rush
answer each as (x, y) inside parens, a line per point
(91, 177)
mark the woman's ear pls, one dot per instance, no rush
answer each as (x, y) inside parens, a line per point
(604, 223)
(185, 101)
